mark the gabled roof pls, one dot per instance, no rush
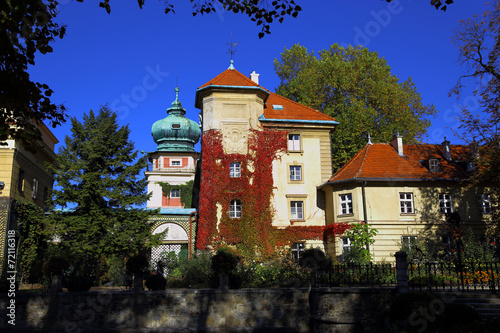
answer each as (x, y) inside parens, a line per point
(277, 108)
(381, 162)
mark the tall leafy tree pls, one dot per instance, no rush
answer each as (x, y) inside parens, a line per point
(26, 27)
(356, 87)
(98, 181)
(478, 41)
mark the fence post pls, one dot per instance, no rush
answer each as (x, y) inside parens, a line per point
(402, 272)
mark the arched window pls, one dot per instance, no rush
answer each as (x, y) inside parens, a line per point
(235, 209)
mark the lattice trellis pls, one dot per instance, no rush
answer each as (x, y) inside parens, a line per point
(182, 220)
(159, 252)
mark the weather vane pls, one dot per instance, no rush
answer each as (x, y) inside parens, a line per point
(231, 46)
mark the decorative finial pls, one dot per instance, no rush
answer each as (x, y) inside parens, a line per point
(369, 139)
(231, 64)
(177, 93)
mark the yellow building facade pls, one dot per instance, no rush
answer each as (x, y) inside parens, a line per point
(406, 193)
(24, 177)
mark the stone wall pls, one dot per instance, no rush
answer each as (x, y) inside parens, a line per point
(253, 310)
(189, 310)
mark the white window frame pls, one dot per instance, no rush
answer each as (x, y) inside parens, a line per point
(345, 243)
(407, 240)
(235, 170)
(345, 204)
(298, 250)
(175, 193)
(406, 203)
(445, 203)
(297, 210)
(434, 165)
(235, 209)
(485, 203)
(295, 172)
(294, 142)
(175, 163)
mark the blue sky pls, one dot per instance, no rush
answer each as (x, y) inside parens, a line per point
(132, 58)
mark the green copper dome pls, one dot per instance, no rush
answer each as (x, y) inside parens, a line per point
(176, 132)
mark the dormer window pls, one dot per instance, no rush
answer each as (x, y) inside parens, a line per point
(434, 165)
(277, 107)
(176, 126)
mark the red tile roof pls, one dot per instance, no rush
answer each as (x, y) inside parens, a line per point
(381, 161)
(291, 110)
(230, 77)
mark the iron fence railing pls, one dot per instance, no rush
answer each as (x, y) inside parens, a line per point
(351, 275)
(462, 276)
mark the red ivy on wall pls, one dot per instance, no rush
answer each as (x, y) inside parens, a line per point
(254, 188)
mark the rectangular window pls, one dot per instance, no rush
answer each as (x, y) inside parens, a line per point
(408, 243)
(445, 205)
(297, 210)
(485, 203)
(235, 170)
(293, 142)
(346, 248)
(175, 193)
(434, 165)
(345, 204)
(295, 172)
(20, 181)
(235, 209)
(175, 163)
(34, 189)
(298, 250)
(406, 203)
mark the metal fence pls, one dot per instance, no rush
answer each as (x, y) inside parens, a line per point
(351, 275)
(464, 276)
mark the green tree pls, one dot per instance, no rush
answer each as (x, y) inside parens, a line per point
(32, 241)
(478, 41)
(98, 179)
(356, 87)
(361, 236)
(26, 27)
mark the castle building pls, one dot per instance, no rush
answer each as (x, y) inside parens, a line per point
(261, 154)
(170, 180)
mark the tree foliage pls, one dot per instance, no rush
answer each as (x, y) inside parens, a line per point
(478, 41)
(26, 27)
(32, 241)
(356, 87)
(98, 177)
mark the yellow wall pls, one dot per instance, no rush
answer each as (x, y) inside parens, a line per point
(383, 212)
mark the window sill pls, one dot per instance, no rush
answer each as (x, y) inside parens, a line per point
(292, 221)
(407, 214)
(345, 215)
(301, 152)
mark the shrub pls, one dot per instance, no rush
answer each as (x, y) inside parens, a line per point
(225, 261)
(155, 282)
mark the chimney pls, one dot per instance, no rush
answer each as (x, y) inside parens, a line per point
(254, 77)
(446, 150)
(397, 143)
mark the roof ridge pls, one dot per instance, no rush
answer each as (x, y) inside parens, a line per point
(363, 161)
(345, 166)
(227, 72)
(302, 105)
